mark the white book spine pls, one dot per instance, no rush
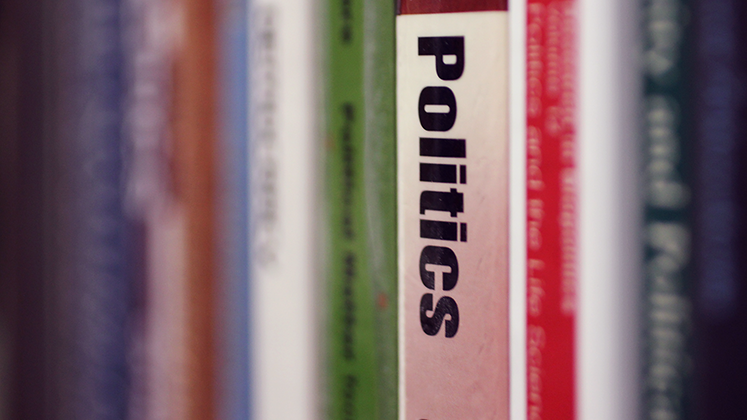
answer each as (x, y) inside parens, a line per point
(283, 191)
(517, 209)
(609, 212)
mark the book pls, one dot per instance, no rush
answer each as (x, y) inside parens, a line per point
(668, 207)
(551, 205)
(197, 151)
(28, 339)
(155, 211)
(720, 298)
(233, 219)
(453, 209)
(609, 212)
(95, 288)
(284, 191)
(360, 205)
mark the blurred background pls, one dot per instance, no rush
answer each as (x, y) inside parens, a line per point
(125, 217)
(113, 214)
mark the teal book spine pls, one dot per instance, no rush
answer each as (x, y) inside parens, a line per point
(667, 302)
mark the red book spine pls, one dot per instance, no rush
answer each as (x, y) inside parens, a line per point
(551, 209)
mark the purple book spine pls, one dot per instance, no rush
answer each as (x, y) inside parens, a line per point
(720, 237)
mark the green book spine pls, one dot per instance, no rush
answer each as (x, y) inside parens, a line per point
(360, 174)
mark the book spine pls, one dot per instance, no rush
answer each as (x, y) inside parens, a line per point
(667, 294)
(720, 289)
(551, 265)
(452, 163)
(609, 211)
(284, 190)
(360, 162)
(196, 153)
(28, 316)
(234, 215)
(99, 292)
(155, 212)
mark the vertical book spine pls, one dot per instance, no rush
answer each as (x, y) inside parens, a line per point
(720, 287)
(101, 282)
(551, 209)
(195, 96)
(234, 216)
(609, 211)
(452, 162)
(667, 303)
(283, 117)
(360, 165)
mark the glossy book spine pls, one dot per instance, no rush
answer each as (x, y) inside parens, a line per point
(609, 211)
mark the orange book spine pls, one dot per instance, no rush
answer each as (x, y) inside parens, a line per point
(195, 93)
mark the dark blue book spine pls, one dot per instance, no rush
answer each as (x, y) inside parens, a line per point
(235, 390)
(101, 278)
(721, 209)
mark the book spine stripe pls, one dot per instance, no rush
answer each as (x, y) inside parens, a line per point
(415, 7)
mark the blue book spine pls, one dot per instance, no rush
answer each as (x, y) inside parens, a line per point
(235, 392)
(101, 278)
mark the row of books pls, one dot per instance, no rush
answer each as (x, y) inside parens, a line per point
(366, 209)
